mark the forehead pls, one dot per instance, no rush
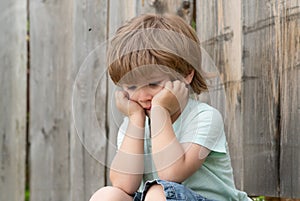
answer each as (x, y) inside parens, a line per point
(146, 74)
(146, 79)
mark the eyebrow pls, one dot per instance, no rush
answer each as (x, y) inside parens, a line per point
(143, 83)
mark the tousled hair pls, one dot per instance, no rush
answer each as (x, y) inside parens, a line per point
(141, 42)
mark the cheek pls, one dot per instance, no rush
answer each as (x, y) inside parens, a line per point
(133, 97)
(130, 94)
(157, 90)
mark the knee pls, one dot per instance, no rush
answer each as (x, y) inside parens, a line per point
(102, 192)
(107, 193)
(155, 193)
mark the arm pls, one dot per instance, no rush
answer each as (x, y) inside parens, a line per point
(128, 164)
(173, 161)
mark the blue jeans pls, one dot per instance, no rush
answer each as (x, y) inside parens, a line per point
(173, 192)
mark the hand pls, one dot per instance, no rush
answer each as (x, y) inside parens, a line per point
(127, 106)
(172, 97)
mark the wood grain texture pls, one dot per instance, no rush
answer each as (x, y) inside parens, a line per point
(126, 10)
(50, 86)
(13, 86)
(288, 38)
(176, 7)
(260, 100)
(219, 29)
(88, 142)
(252, 42)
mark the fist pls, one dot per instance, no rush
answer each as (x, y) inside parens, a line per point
(127, 106)
(172, 97)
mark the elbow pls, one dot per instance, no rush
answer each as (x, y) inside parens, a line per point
(126, 184)
(175, 174)
(125, 187)
(170, 176)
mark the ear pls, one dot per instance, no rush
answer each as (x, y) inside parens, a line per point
(189, 77)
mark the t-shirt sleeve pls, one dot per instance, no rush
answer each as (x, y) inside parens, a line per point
(204, 126)
(122, 131)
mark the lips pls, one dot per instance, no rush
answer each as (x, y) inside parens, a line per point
(147, 108)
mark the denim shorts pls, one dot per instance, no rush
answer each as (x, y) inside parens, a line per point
(173, 191)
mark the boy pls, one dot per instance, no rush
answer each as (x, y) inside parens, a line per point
(170, 146)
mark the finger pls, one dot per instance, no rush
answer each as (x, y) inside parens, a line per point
(177, 84)
(122, 94)
(179, 87)
(169, 85)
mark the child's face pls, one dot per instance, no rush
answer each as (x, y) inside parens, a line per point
(144, 89)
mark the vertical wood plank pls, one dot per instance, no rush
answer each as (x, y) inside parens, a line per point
(119, 12)
(144, 7)
(176, 7)
(219, 29)
(50, 86)
(13, 73)
(288, 37)
(88, 147)
(260, 100)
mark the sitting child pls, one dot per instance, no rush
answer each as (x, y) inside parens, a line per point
(171, 146)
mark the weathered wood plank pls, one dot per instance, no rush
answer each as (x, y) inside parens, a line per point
(119, 12)
(125, 11)
(176, 7)
(50, 87)
(144, 6)
(88, 145)
(260, 97)
(13, 73)
(219, 29)
(288, 37)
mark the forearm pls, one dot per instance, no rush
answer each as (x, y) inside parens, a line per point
(168, 153)
(128, 165)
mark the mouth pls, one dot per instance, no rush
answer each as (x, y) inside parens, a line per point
(147, 108)
(147, 111)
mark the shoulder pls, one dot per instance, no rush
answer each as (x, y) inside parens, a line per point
(202, 124)
(202, 111)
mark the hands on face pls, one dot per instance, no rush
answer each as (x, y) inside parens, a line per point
(127, 106)
(172, 97)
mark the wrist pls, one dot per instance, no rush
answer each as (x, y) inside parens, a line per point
(157, 106)
(159, 118)
(138, 119)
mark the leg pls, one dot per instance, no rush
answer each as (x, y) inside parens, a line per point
(155, 193)
(110, 193)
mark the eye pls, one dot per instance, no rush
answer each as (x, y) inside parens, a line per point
(154, 84)
(131, 88)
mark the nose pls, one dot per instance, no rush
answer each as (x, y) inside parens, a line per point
(142, 95)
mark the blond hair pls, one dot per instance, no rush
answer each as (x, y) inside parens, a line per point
(140, 42)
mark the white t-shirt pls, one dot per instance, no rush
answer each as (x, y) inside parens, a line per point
(201, 124)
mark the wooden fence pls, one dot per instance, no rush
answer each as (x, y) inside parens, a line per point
(254, 43)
